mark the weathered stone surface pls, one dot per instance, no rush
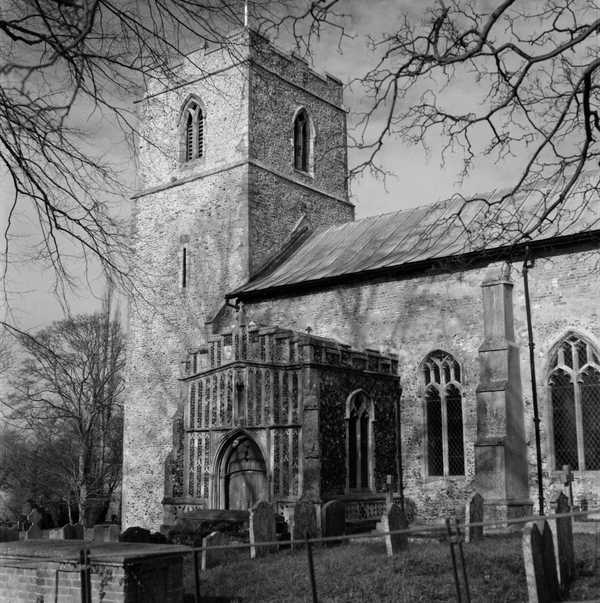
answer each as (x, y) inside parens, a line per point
(55, 534)
(304, 521)
(262, 529)
(106, 532)
(393, 519)
(540, 563)
(211, 557)
(232, 209)
(73, 531)
(135, 534)
(34, 532)
(474, 515)
(413, 314)
(563, 541)
(333, 520)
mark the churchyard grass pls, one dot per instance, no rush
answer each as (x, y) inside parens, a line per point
(362, 572)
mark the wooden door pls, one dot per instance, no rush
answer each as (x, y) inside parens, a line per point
(245, 476)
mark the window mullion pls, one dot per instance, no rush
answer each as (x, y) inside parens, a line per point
(444, 412)
(195, 135)
(578, 421)
(578, 412)
(358, 444)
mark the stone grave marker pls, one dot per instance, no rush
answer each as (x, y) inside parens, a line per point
(474, 515)
(106, 532)
(34, 532)
(304, 521)
(540, 563)
(333, 520)
(73, 531)
(210, 558)
(55, 534)
(563, 540)
(135, 534)
(9, 534)
(262, 529)
(393, 519)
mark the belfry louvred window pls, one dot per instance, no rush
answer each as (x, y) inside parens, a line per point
(443, 412)
(574, 391)
(193, 132)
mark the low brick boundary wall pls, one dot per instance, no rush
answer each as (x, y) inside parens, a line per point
(119, 572)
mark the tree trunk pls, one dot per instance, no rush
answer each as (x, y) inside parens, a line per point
(82, 502)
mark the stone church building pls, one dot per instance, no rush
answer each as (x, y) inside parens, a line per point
(284, 349)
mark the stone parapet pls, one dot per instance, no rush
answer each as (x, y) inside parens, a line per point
(277, 346)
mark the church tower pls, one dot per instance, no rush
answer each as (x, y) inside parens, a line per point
(246, 147)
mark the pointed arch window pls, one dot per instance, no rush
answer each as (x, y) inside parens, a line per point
(574, 391)
(192, 132)
(441, 377)
(302, 141)
(359, 432)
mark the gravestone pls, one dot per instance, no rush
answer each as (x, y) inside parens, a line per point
(304, 521)
(565, 553)
(393, 519)
(34, 533)
(475, 515)
(333, 520)
(106, 532)
(540, 563)
(55, 534)
(262, 529)
(73, 531)
(135, 534)
(9, 534)
(210, 558)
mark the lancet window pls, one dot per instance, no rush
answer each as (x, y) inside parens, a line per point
(359, 418)
(302, 141)
(192, 132)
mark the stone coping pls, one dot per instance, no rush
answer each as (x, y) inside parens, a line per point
(108, 553)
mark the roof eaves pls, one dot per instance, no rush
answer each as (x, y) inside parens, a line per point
(507, 252)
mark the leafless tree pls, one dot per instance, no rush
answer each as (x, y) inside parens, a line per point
(67, 66)
(505, 79)
(65, 400)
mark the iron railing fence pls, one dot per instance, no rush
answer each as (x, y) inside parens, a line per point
(454, 536)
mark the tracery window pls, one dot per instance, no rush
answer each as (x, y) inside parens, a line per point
(302, 141)
(359, 417)
(443, 408)
(574, 388)
(193, 132)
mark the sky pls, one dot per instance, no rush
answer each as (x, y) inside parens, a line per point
(417, 176)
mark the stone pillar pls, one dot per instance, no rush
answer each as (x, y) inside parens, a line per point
(310, 443)
(501, 467)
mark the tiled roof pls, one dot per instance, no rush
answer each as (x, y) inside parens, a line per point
(445, 229)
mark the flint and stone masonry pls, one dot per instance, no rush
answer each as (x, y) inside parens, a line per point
(205, 231)
(231, 209)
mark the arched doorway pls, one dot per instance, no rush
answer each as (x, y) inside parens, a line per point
(245, 475)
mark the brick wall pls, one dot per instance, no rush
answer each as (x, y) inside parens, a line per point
(415, 316)
(27, 576)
